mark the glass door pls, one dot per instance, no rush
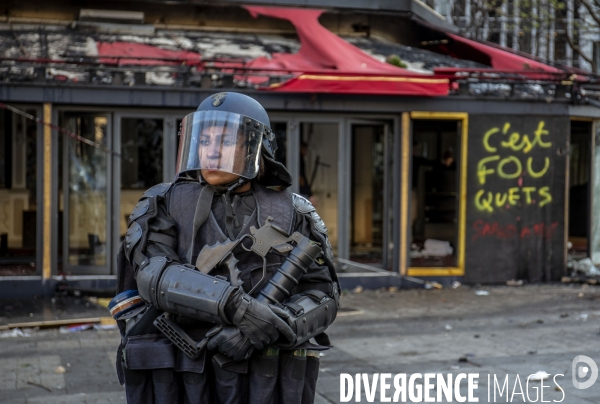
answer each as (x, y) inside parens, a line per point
(85, 207)
(370, 193)
(148, 145)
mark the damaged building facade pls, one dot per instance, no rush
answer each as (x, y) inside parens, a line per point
(426, 153)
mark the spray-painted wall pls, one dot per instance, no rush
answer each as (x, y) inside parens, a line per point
(516, 198)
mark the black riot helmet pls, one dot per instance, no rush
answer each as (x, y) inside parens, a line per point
(230, 132)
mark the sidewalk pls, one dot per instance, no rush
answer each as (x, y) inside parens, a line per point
(512, 331)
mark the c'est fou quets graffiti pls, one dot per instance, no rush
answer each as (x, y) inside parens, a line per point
(508, 158)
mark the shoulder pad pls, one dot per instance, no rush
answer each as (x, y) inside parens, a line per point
(140, 209)
(303, 206)
(134, 234)
(157, 190)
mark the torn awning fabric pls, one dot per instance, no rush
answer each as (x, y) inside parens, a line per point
(326, 63)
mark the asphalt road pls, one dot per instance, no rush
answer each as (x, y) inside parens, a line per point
(509, 334)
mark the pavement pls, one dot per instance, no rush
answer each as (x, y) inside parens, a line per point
(508, 334)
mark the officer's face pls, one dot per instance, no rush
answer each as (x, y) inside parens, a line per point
(221, 154)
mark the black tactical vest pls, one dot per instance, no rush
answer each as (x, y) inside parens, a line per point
(181, 204)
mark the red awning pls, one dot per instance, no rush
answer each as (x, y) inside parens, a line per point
(328, 64)
(502, 59)
(343, 83)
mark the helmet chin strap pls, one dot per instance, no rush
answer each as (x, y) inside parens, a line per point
(226, 188)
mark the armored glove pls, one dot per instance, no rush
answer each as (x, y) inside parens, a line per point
(230, 341)
(260, 322)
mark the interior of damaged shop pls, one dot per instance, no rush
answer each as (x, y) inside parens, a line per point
(383, 120)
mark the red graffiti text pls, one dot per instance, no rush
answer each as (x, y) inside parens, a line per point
(510, 231)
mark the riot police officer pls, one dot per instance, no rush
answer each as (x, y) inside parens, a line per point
(220, 341)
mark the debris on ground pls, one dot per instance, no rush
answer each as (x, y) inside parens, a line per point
(432, 285)
(358, 289)
(448, 327)
(514, 282)
(456, 285)
(582, 271)
(539, 376)
(67, 329)
(60, 370)
(105, 327)
(586, 267)
(482, 293)
(15, 332)
(39, 385)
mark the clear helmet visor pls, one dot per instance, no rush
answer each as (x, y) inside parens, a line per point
(220, 141)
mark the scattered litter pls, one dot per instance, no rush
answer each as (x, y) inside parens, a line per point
(432, 285)
(465, 359)
(581, 294)
(358, 289)
(393, 289)
(482, 293)
(454, 367)
(456, 285)
(60, 370)
(321, 354)
(532, 352)
(39, 385)
(563, 315)
(587, 267)
(540, 321)
(448, 327)
(539, 376)
(324, 369)
(584, 316)
(514, 282)
(105, 327)
(15, 332)
(75, 328)
(558, 388)
(585, 280)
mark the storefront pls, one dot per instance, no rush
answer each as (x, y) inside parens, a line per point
(454, 176)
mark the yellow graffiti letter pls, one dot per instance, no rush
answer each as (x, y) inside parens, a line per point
(507, 160)
(513, 195)
(500, 199)
(486, 142)
(539, 173)
(527, 191)
(544, 192)
(484, 204)
(538, 136)
(482, 170)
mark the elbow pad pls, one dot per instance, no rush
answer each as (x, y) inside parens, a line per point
(183, 290)
(310, 313)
